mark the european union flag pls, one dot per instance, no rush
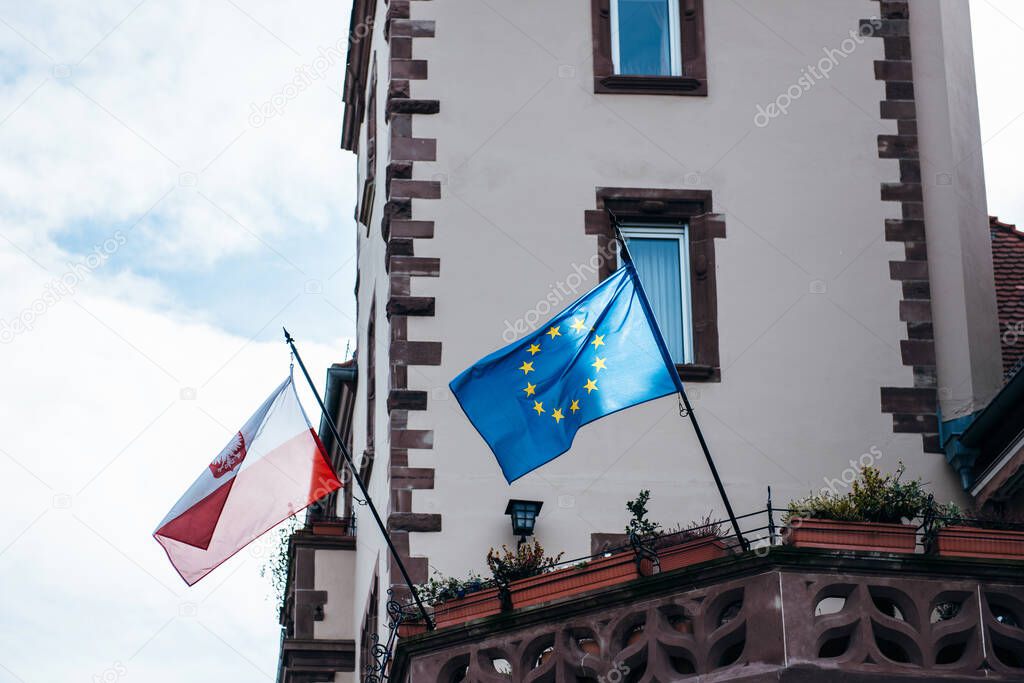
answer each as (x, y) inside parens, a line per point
(600, 355)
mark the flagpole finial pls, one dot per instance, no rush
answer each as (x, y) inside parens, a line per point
(287, 336)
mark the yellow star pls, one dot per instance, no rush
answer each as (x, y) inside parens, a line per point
(553, 332)
(530, 389)
(578, 325)
(590, 386)
(558, 415)
(534, 349)
(538, 406)
(598, 341)
(575, 405)
(527, 368)
(599, 364)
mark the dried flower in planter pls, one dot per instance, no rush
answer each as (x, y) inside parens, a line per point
(705, 527)
(527, 560)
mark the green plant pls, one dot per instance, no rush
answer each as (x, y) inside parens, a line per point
(639, 526)
(440, 589)
(526, 560)
(275, 564)
(873, 497)
(825, 505)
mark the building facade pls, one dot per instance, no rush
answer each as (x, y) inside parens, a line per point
(803, 188)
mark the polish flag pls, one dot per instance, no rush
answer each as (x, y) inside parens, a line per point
(272, 468)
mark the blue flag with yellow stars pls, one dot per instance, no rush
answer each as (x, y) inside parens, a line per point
(600, 355)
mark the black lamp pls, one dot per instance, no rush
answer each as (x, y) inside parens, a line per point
(524, 517)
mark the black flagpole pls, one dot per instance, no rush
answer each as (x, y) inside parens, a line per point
(687, 408)
(359, 480)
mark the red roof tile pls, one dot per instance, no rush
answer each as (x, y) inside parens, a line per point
(1008, 259)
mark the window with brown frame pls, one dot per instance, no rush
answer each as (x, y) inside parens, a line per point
(649, 47)
(671, 236)
(370, 628)
(366, 466)
(370, 184)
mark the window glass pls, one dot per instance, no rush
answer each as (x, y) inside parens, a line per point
(661, 263)
(645, 37)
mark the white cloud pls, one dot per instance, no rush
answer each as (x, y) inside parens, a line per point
(998, 39)
(98, 441)
(163, 102)
(100, 444)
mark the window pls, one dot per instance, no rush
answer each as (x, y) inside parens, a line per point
(653, 47)
(366, 466)
(370, 184)
(662, 259)
(671, 236)
(371, 626)
(645, 37)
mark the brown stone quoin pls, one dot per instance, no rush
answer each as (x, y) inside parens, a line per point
(401, 231)
(913, 408)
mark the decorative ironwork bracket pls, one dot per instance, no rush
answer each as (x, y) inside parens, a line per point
(378, 669)
(644, 548)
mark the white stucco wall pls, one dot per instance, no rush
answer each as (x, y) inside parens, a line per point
(808, 316)
(333, 572)
(959, 246)
(371, 554)
(522, 144)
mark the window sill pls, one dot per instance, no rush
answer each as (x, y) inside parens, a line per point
(651, 85)
(699, 373)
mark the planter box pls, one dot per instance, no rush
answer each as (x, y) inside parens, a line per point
(474, 606)
(962, 541)
(832, 535)
(408, 629)
(595, 575)
(692, 552)
(331, 528)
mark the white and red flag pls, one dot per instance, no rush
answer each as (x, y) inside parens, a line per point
(272, 468)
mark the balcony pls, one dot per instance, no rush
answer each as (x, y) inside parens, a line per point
(775, 613)
(317, 642)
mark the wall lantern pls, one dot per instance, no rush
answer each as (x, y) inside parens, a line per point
(524, 517)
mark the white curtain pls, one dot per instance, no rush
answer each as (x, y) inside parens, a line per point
(657, 263)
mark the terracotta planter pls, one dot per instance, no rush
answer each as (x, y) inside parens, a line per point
(962, 541)
(330, 528)
(868, 536)
(474, 606)
(691, 552)
(408, 629)
(595, 575)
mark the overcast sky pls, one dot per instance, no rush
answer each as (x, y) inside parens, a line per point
(154, 236)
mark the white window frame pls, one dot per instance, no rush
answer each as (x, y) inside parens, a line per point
(682, 236)
(675, 45)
